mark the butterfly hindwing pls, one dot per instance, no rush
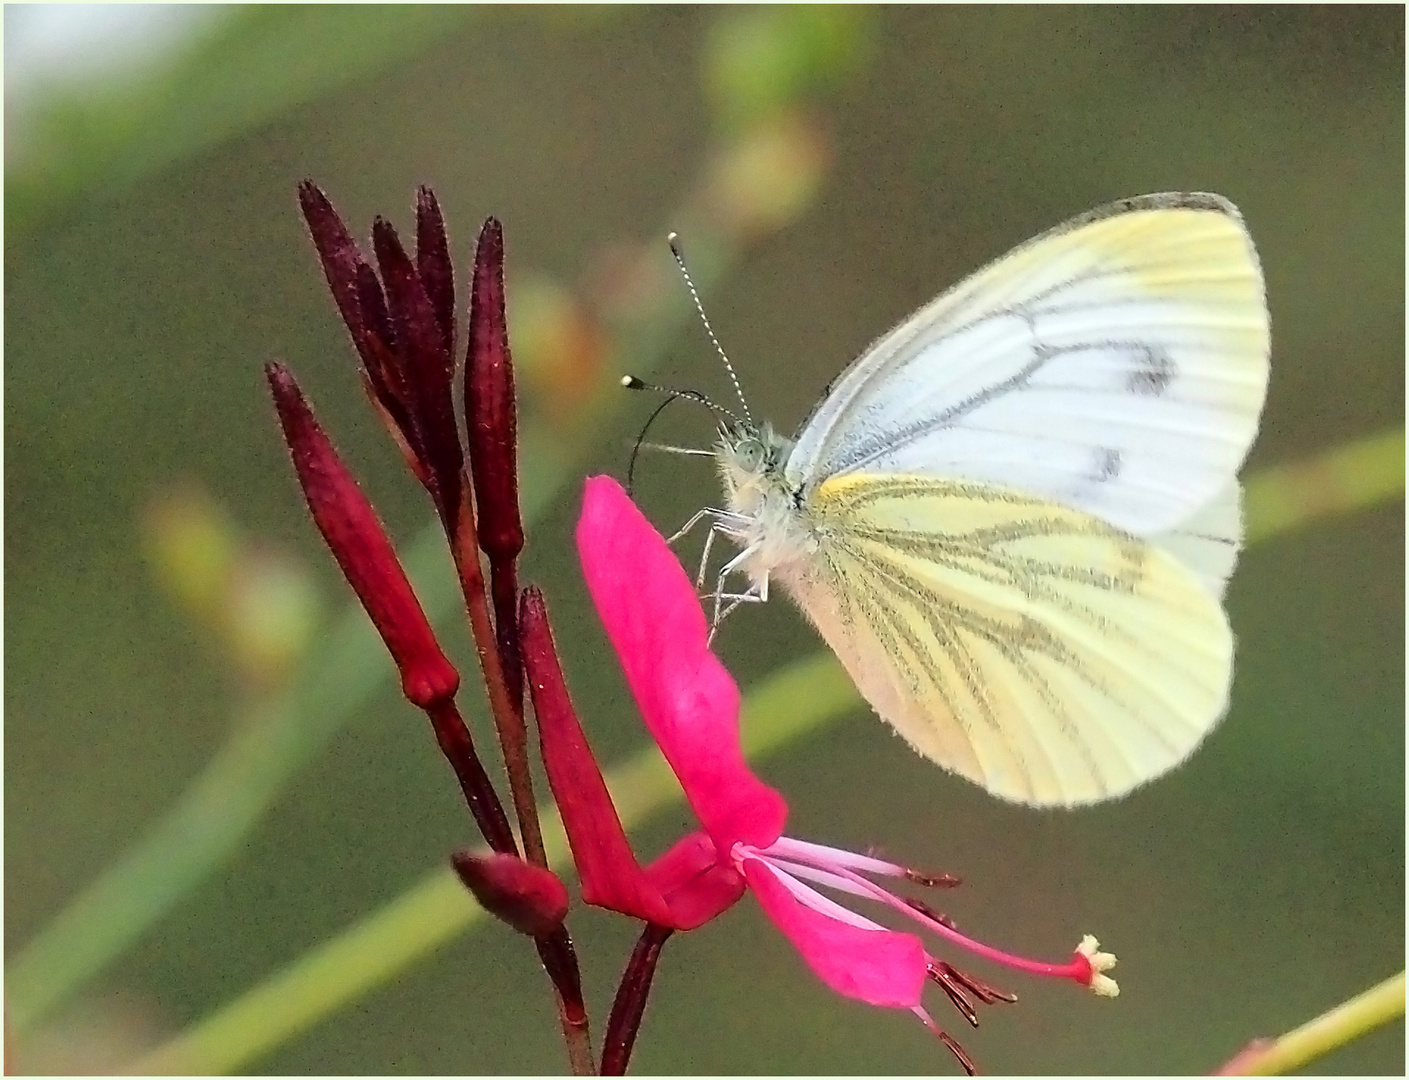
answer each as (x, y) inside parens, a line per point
(1033, 648)
(1116, 364)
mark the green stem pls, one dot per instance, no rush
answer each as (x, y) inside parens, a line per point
(206, 825)
(1329, 1031)
(1350, 477)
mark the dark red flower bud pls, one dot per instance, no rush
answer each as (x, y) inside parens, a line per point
(403, 334)
(360, 545)
(433, 263)
(341, 259)
(425, 367)
(532, 900)
(489, 403)
(377, 331)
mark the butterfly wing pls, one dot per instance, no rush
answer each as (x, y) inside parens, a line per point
(1208, 543)
(1031, 647)
(1117, 364)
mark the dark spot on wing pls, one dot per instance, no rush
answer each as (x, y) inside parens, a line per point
(1107, 464)
(1154, 370)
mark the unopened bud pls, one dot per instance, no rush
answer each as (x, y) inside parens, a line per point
(355, 536)
(532, 900)
(490, 417)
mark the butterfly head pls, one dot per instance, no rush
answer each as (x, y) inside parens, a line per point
(751, 461)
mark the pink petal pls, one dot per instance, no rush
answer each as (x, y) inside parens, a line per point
(879, 967)
(687, 699)
(696, 885)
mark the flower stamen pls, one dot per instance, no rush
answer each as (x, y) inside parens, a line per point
(965, 1062)
(941, 978)
(1097, 963)
(1086, 965)
(933, 881)
(981, 990)
(930, 913)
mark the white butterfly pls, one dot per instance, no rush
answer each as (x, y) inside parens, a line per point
(1013, 516)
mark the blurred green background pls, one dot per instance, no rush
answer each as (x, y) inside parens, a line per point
(829, 171)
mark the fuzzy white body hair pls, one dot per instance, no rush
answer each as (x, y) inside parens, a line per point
(767, 519)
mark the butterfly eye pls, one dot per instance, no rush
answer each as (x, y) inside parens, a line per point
(750, 453)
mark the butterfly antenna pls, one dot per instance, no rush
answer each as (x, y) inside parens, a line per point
(631, 382)
(675, 250)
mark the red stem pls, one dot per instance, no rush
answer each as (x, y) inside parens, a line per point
(455, 743)
(560, 962)
(508, 721)
(504, 588)
(630, 1004)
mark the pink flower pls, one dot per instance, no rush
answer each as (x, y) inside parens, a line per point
(691, 707)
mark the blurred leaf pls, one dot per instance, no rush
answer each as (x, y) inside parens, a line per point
(760, 60)
(260, 604)
(246, 71)
(1358, 474)
(771, 173)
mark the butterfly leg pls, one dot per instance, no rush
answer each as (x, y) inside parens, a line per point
(756, 593)
(704, 558)
(695, 519)
(719, 522)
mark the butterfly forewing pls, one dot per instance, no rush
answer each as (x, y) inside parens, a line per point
(1033, 648)
(1117, 364)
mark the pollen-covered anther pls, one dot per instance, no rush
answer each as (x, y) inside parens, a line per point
(960, 1055)
(930, 913)
(943, 973)
(955, 992)
(933, 881)
(1100, 984)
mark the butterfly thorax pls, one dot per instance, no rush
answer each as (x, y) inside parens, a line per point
(769, 522)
